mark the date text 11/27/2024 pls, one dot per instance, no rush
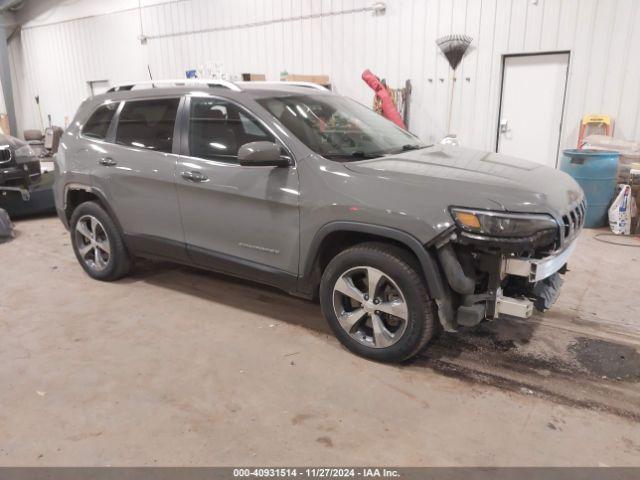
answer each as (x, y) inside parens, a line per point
(326, 472)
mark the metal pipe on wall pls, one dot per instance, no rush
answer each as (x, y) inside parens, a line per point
(378, 8)
(6, 30)
(5, 78)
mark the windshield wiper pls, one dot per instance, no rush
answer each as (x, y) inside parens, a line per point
(357, 155)
(406, 148)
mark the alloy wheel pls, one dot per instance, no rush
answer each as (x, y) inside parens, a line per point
(370, 307)
(92, 243)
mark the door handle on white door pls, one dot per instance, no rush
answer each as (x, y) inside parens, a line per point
(504, 126)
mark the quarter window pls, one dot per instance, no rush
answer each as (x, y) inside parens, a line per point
(217, 129)
(98, 124)
(148, 124)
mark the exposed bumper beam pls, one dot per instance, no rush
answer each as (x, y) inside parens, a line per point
(538, 269)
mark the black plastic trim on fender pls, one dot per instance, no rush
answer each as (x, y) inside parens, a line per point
(427, 261)
(97, 193)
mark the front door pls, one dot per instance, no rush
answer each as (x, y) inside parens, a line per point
(236, 219)
(530, 121)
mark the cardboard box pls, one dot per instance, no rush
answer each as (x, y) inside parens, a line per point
(253, 77)
(323, 80)
(4, 124)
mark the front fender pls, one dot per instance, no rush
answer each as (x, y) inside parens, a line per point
(427, 260)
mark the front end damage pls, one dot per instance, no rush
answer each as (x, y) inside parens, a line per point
(19, 167)
(24, 188)
(488, 277)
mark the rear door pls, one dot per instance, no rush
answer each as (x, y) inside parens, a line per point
(135, 169)
(236, 219)
(91, 145)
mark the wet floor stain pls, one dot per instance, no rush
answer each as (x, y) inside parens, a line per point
(607, 359)
(504, 383)
(301, 418)
(326, 441)
(502, 357)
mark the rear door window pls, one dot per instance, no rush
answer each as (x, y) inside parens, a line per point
(217, 129)
(98, 124)
(148, 124)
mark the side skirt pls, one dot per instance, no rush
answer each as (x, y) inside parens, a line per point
(162, 249)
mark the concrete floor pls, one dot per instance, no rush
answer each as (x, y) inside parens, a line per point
(178, 367)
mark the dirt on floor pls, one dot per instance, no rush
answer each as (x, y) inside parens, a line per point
(175, 366)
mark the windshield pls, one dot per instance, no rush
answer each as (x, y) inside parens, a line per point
(339, 128)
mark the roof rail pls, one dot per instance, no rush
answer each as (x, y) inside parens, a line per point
(210, 82)
(315, 86)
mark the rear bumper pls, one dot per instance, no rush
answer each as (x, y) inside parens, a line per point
(24, 193)
(22, 175)
(12, 174)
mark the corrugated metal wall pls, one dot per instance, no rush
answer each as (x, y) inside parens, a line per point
(341, 38)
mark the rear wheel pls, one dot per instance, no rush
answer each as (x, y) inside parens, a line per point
(97, 243)
(376, 302)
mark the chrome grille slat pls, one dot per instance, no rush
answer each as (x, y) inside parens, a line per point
(580, 213)
(572, 223)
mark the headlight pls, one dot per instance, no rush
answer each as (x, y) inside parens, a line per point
(498, 224)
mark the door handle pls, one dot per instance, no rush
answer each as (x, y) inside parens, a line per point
(194, 176)
(107, 162)
(504, 126)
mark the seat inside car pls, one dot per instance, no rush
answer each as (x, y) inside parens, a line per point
(210, 133)
(132, 128)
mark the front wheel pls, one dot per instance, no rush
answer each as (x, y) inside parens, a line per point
(376, 302)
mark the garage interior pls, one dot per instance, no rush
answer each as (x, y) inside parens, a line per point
(177, 366)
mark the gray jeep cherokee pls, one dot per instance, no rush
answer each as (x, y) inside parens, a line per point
(308, 191)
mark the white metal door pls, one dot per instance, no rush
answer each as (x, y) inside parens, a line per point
(533, 90)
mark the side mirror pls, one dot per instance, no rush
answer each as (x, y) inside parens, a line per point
(261, 154)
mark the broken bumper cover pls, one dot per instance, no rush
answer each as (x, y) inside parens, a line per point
(543, 277)
(536, 270)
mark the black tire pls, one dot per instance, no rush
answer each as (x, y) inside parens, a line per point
(119, 261)
(401, 268)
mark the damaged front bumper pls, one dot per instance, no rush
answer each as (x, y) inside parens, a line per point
(540, 283)
(534, 269)
(486, 283)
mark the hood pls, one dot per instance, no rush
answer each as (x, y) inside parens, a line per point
(13, 142)
(472, 178)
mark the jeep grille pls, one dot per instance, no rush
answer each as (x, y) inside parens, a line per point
(572, 223)
(5, 155)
